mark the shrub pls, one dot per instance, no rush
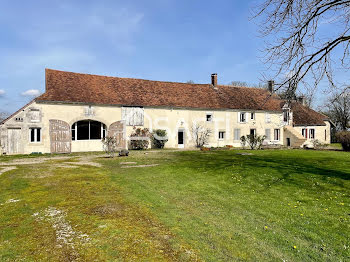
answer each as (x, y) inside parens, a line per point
(140, 138)
(159, 138)
(344, 138)
(110, 145)
(254, 141)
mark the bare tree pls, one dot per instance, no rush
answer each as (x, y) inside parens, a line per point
(3, 115)
(299, 48)
(201, 134)
(239, 83)
(339, 110)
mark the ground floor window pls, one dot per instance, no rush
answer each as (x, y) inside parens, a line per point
(253, 131)
(268, 134)
(304, 132)
(35, 135)
(88, 130)
(237, 134)
(312, 133)
(277, 134)
(221, 135)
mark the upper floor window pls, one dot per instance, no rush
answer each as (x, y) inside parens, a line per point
(35, 135)
(88, 130)
(267, 118)
(209, 117)
(242, 117)
(133, 116)
(252, 116)
(285, 115)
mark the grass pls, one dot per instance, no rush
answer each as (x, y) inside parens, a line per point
(290, 205)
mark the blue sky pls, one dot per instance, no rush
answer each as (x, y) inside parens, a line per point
(171, 40)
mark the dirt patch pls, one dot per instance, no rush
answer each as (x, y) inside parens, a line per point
(140, 166)
(114, 209)
(33, 161)
(127, 163)
(66, 236)
(6, 169)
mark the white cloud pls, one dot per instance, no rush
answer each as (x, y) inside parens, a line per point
(2, 92)
(31, 92)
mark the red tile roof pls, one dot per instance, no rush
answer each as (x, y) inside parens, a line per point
(305, 116)
(94, 89)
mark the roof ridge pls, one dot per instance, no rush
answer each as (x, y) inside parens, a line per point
(127, 78)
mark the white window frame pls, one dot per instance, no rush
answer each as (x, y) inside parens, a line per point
(251, 130)
(223, 135)
(267, 117)
(279, 134)
(252, 116)
(314, 133)
(240, 114)
(35, 135)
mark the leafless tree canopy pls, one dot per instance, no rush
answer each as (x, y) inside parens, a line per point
(339, 110)
(3, 115)
(201, 134)
(304, 39)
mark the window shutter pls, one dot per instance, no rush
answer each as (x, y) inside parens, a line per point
(268, 134)
(267, 118)
(238, 117)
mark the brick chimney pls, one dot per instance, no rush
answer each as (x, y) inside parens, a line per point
(214, 80)
(271, 86)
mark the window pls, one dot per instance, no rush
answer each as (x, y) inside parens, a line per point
(133, 116)
(242, 117)
(35, 135)
(276, 134)
(267, 118)
(253, 131)
(325, 134)
(312, 133)
(304, 132)
(237, 134)
(268, 134)
(19, 119)
(209, 117)
(221, 135)
(88, 130)
(252, 116)
(285, 115)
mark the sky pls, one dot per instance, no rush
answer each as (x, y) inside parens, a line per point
(170, 40)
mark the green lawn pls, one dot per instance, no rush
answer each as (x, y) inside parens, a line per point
(273, 205)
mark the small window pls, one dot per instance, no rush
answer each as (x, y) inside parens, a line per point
(304, 132)
(312, 133)
(276, 134)
(268, 134)
(252, 116)
(19, 119)
(242, 117)
(35, 135)
(209, 117)
(325, 134)
(237, 134)
(221, 135)
(267, 118)
(286, 115)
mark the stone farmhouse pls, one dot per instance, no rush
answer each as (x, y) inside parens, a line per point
(78, 110)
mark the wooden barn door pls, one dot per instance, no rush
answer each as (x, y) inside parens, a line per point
(60, 136)
(117, 130)
(13, 141)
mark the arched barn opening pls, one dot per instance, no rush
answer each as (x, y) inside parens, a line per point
(87, 135)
